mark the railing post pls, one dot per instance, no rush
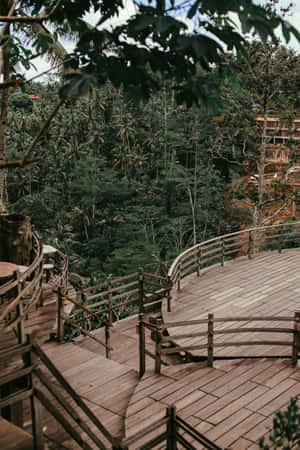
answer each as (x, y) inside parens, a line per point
(109, 293)
(38, 439)
(84, 315)
(117, 444)
(281, 239)
(210, 341)
(171, 428)
(107, 342)
(296, 339)
(169, 297)
(141, 291)
(20, 327)
(198, 261)
(222, 253)
(179, 277)
(158, 346)
(250, 245)
(142, 345)
(60, 321)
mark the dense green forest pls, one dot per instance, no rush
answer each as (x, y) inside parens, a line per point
(120, 184)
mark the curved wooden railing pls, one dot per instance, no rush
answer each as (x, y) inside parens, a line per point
(20, 295)
(222, 248)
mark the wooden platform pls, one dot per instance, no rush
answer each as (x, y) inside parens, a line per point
(232, 403)
(267, 285)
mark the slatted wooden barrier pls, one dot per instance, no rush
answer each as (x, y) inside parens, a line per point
(168, 344)
(171, 430)
(39, 380)
(104, 303)
(246, 242)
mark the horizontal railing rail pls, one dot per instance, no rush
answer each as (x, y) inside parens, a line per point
(102, 304)
(222, 248)
(19, 295)
(204, 339)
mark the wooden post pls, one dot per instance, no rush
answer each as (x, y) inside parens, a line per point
(210, 341)
(158, 346)
(281, 239)
(84, 314)
(107, 342)
(142, 345)
(296, 340)
(198, 261)
(169, 298)
(171, 428)
(60, 320)
(141, 291)
(179, 277)
(37, 431)
(250, 245)
(117, 444)
(222, 253)
(109, 294)
(20, 327)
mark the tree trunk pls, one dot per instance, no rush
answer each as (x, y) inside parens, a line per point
(15, 239)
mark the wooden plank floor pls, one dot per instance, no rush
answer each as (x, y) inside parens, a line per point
(268, 285)
(233, 403)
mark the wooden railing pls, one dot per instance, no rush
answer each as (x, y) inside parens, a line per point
(35, 375)
(171, 430)
(220, 249)
(22, 293)
(205, 339)
(104, 303)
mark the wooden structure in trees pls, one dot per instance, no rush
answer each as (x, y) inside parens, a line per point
(277, 134)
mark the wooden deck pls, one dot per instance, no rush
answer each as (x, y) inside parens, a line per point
(267, 285)
(232, 403)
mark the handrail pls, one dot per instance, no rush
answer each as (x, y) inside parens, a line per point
(209, 345)
(84, 308)
(176, 272)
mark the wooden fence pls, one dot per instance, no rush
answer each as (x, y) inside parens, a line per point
(220, 249)
(25, 291)
(171, 430)
(35, 378)
(44, 385)
(104, 303)
(205, 340)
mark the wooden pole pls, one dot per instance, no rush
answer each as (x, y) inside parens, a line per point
(179, 277)
(169, 298)
(171, 428)
(141, 291)
(37, 431)
(281, 239)
(107, 342)
(158, 347)
(198, 261)
(250, 245)
(222, 252)
(109, 300)
(60, 321)
(296, 340)
(20, 327)
(142, 346)
(84, 315)
(210, 341)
